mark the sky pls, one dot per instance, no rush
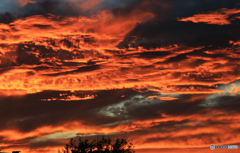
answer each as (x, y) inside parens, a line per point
(163, 74)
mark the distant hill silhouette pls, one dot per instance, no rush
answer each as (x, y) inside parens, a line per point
(102, 146)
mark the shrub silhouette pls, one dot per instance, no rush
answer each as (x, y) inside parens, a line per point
(102, 146)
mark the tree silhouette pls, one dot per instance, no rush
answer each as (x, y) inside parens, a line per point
(92, 146)
(83, 146)
(67, 148)
(119, 145)
(102, 146)
(72, 145)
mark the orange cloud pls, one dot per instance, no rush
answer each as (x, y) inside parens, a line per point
(71, 98)
(235, 90)
(33, 150)
(103, 26)
(115, 68)
(234, 43)
(162, 98)
(118, 73)
(12, 92)
(197, 135)
(219, 17)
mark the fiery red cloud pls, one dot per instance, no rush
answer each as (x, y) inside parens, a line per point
(131, 69)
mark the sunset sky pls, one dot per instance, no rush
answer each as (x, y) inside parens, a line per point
(163, 74)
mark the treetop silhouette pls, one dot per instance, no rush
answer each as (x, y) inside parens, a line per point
(102, 146)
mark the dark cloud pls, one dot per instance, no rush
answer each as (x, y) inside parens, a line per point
(177, 58)
(228, 103)
(26, 58)
(166, 31)
(208, 138)
(45, 143)
(40, 26)
(23, 112)
(66, 43)
(78, 70)
(6, 18)
(39, 68)
(150, 55)
(175, 107)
